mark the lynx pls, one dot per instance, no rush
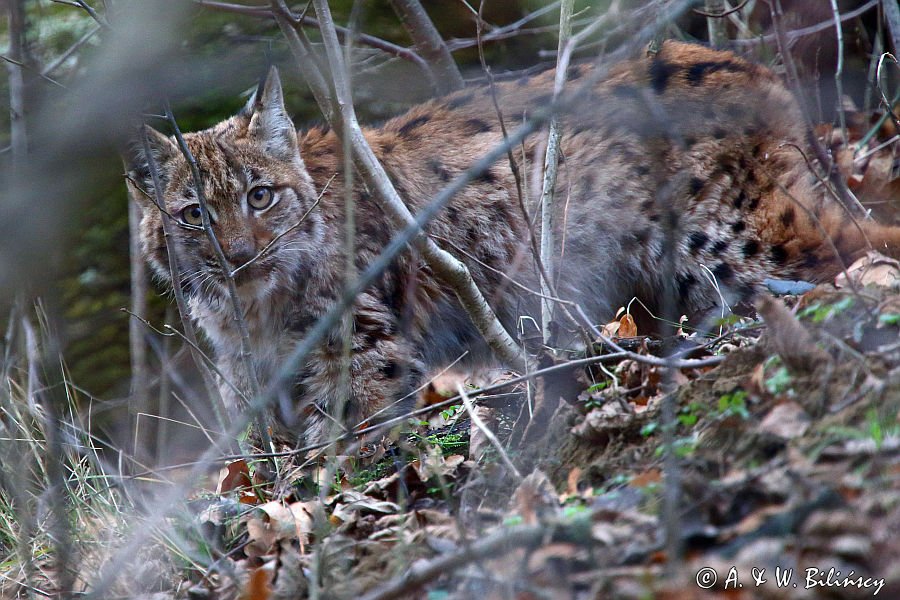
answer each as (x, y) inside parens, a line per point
(684, 169)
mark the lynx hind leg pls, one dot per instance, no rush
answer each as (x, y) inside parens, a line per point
(380, 384)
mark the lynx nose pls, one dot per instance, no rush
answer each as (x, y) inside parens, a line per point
(239, 251)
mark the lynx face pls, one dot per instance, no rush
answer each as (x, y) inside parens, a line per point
(259, 198)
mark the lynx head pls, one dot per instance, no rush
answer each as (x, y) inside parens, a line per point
(258, 193)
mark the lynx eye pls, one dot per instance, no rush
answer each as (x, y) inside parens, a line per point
(260, 197)
(192, 215)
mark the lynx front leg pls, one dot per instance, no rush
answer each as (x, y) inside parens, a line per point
(376, 385)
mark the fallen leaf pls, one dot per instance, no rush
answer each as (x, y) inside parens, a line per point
(627, 326)
(259, 585)
(874, 268)
(786, 420)
(234, 476)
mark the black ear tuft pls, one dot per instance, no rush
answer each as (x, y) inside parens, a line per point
(253, 103)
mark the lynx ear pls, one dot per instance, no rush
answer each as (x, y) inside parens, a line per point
(137, 162)
(269, 121)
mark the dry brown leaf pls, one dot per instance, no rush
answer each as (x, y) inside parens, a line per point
(873, 268)
(627, 326)
(786, 420)
(648, 477)
(535, 498)
(235, 476)
(351, 503)
(572, 481)
(275, 522)
(259, 585)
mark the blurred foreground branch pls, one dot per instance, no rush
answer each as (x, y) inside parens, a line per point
(446, 268)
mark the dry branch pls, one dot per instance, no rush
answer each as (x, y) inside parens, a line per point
(175, 270)
(448, 269)
(576, 531)
(15, 68)
(551, 165)
(430, 44)
(272, 12)
(892, 16)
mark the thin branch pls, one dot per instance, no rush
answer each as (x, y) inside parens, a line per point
(140, 374)
(62, 58)
(175, 270)
(892, 16)
(15, 69)
(172, 332)
(274, 241)
(888, 105)
(715, 10)
(86, 8)
(790, 36)
(237, 308)
(481, 425)
(722, 14)
(430, 44)
(839, 70)
(268, 12)
(448, 269)
(551, 165)
(27, 68)
(502, 541)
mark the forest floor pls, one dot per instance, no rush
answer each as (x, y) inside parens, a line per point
(785, 481)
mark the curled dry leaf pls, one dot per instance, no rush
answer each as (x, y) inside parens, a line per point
(786, 420)
(275, 522)
(233, 476)
(534, 499)
(627, 326)
(872, 269)
(350, 503)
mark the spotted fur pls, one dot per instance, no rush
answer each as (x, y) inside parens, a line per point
(688, 139)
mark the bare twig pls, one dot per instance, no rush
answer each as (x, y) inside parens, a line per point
(500, 542)
(62, 58)
(839, 70)
(790, 36)
(892, 16)
(17, 123)
(138, 346)
(888, 105)
(237, 308)
(175, 270)
(430, 44)
(268, 12)
(722, 14)
(481, 425)
(715, 10)
(448, 269)
(86, 8)
(551, 165)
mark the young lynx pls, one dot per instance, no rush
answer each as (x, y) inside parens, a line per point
(687, 162)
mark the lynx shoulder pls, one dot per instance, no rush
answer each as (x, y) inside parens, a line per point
(683, 173)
